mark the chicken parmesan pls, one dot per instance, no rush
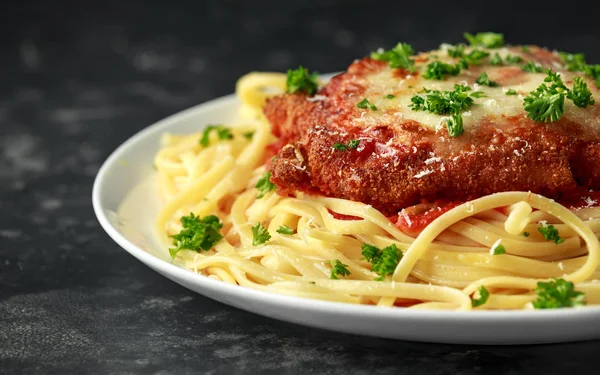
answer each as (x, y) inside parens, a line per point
(461, 178)
(397, 128)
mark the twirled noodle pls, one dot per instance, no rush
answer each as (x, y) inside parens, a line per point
(440, 269)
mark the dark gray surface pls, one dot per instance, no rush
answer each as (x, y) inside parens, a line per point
(77, 80)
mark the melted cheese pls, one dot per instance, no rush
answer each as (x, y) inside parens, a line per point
(494, 104)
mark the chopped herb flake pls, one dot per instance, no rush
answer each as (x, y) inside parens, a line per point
(339, 269)
(196, 234)
(366, 104)
(484, 294)
(284, 229)
(221, 130)
(260, 235)
(300, 80)
(557, 293)
(550, 233)
(264, 185)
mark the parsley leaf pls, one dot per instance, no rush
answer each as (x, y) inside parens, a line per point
(483, 79)
(581, 94)
(438, 70)
(575, 62)
(483, 297)
(389, 96)
(443, 102)
(498, 250)
(383, 261)
(222, 132)
(446, 103)
(284, 229)
(513, 59)
(338, 269)
(455, 125)
(532, 67)
(300, 80)
(550, 233)
(557, 293)
(366, 104)
(488, 39)
(352, 144)
(546, 103)
(260, 235)
(397, 57)
(264, 185)
(526, 234)
(474, 57)
(457, 51)
(248, 135)
(511, 92)
(496, 59)
(196, 234)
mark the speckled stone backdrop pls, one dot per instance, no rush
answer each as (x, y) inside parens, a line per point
(77, 79)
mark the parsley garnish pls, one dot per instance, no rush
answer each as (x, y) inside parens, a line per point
(446, 103)
(532, 67)
(581, 94)
(513, 59)
(488, 39)
(455, 125)
(458, 51)
(485, 80)
(550, 233)
(264, 185)
(557, 293)
(496, 59)
(284, 229)
(474, 57)
(397, 57)
(300, 80)
(390, 96)
(196, 234)
(438, 70)
(248, 135)
(498, 250)
(260, 235)
(352, 144)
(525, 49)
(366, 104)
(338, 269)
(511, 92)
(546, 103)
(222, 132)
(383, 261)
(575, 62)
(483, 297)
(526, 234)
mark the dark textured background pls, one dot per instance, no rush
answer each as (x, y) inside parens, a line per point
(77, 79)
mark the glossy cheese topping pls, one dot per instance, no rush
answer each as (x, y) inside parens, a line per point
(494, 104)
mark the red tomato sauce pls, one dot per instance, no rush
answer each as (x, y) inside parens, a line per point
(412, 220)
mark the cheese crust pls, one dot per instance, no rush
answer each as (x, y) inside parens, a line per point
(405, 157)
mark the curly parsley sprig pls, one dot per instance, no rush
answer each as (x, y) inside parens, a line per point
(301, 80)
(196, 234)
(557, 293)
(383, 261)
(338, 269)
(547, 102)
(446, 103)
(397, 57)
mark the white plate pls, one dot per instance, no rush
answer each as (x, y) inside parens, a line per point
(124, 190)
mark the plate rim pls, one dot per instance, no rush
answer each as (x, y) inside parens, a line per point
(166, 268)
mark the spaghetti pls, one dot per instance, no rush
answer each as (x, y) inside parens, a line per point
(447, 266)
